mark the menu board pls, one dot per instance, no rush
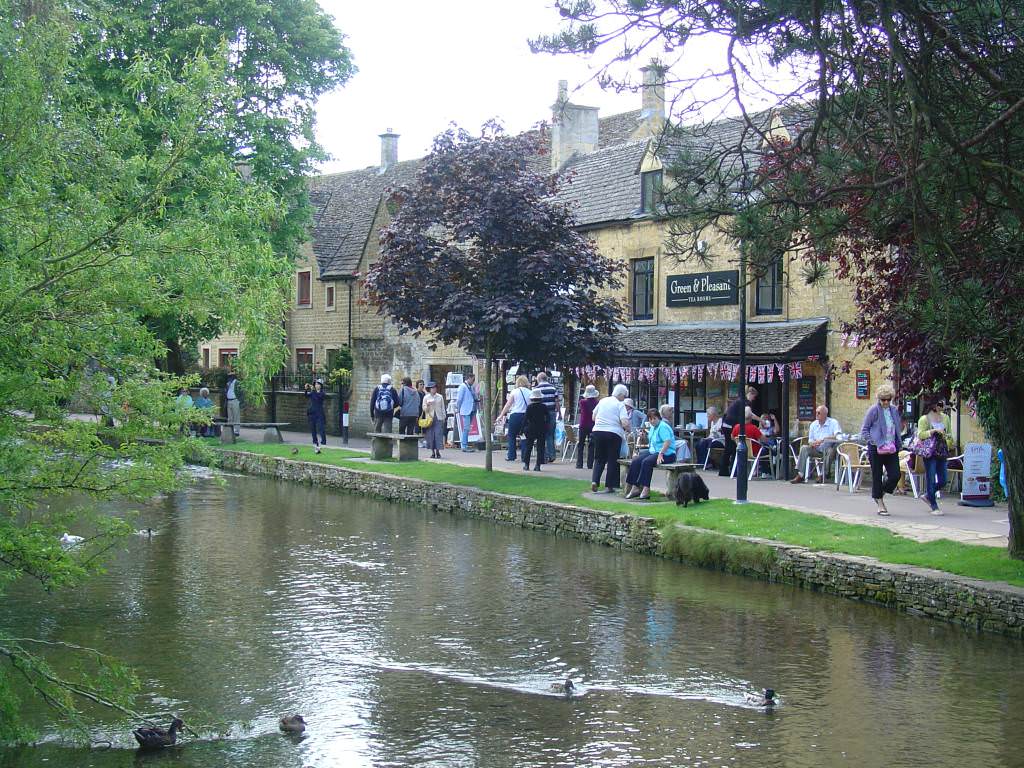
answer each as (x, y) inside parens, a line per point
(805, 398)
(863, 385)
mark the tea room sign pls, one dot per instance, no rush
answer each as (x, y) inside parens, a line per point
(703, 289)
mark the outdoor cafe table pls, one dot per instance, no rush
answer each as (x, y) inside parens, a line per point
(691, 436)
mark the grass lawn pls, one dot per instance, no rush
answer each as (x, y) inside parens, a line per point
(719, 515)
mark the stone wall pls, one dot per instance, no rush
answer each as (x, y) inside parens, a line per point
(977, 605)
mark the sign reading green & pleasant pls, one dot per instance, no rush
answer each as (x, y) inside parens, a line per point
(703, 289)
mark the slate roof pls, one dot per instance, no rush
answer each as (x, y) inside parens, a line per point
(604, 185)
(774, 341)
(344, 205)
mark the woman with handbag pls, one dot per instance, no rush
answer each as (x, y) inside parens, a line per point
(433, 419)
(934, 439)
(881, 429)
(515, 408)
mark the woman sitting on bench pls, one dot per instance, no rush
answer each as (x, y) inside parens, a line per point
(662, 450)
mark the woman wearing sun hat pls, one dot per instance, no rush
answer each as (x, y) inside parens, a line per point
(583, 435)
(433, 434)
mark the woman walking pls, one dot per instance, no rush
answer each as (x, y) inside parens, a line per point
(536, 427)
(433, 409)
(315, 413)
(662, 450)
(934, 439)
(515, 408)
(610, 424)
(583, 435)
(881, 431)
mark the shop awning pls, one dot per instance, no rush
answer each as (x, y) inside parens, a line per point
(766, 341)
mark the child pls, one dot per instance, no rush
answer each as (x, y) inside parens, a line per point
(536, 429)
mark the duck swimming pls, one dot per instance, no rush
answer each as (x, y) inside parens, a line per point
(293, 724)
(565, 688)
(766, 699)
(69, 540)
(154, 738)
(149, 533)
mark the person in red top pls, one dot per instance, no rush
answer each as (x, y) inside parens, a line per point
(751, 429)
(587, 405)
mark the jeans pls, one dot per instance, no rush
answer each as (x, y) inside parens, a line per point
(935, 478)
(318, 427)
(606, 454)
(584, 436)
(549, 439)
(465, 419)
(234, 414)
(528, 445)
(641, 469)
(890, 462)
(407, 425)
(515, 426)
(383, 422)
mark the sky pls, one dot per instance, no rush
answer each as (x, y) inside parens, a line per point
(424, 64)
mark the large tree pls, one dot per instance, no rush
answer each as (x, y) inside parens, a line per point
(902, 173)
(102, 228)
(480, 254)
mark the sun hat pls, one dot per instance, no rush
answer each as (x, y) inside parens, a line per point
(629, 402)
(590, 391)
(431, 384)
(536, 395)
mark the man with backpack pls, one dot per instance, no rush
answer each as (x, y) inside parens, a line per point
(383, 403)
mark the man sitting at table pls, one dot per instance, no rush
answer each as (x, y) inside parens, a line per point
(821, 444)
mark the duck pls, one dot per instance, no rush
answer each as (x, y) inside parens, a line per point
(295, 451)
(149, 533)
(766, 699)
(70, 540)
(293, 724)
(565, 688)
(151, 737)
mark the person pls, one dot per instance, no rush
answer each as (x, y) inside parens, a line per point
(821, 444)
(515, 411)
(316, 413)
(183, 404)
(636, 416)
(433, 404)
(661, 440)
(408, 408)
(610, 424)
(553, 404)
(881, 427)
(750, 428)
(383, 402)
(714, 435)
(733, 416)
(233, 394)
(465, 405)
(536, 427)
(204, 403)
(668, 414)
(422, 392)
(586, 426)
(934, 452)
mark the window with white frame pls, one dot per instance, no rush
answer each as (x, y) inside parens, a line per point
(329, 297)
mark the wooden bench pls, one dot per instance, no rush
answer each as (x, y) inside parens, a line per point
(672, 472)
(271, 430)
(382, 445)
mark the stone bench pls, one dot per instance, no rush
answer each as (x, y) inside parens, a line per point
(271, 430)
(382, 446)
(672, 472)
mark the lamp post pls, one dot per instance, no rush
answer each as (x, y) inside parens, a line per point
(741, 443)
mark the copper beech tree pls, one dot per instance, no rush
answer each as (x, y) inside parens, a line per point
(480, 254)
(901, 171)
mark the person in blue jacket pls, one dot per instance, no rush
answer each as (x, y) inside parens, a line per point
(315, 413)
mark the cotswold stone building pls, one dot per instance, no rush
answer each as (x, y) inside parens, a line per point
(681, 332)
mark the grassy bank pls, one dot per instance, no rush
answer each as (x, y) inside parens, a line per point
(719, 515)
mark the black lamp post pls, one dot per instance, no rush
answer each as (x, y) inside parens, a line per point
(741, 442)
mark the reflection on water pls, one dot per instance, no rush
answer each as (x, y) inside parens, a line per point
(409, 638)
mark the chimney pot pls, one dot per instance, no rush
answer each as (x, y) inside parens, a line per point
(388, 150)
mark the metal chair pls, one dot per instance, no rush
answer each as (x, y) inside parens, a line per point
(720, 447)
(755, 453)
(852, 463)
(569, 441)
(955, 473)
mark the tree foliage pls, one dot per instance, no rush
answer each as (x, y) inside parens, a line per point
(901, 173)
(480, 255)
(103, 227)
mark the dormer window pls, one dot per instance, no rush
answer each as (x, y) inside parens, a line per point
(650, 191)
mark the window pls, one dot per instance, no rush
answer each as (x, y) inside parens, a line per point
(303, 359)
(206, 357)
(228, 357)
(303, 295)
(650, 191)
(769, 290)
(329, 297)
(692, 399)
(642, 294)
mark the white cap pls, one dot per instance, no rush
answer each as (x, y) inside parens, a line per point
(385, 379)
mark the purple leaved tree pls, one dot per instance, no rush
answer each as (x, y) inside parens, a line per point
(481, 255)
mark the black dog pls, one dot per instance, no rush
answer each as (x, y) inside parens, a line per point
(690, 487)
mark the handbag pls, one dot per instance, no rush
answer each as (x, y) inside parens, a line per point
(886, 448)
(426, 420)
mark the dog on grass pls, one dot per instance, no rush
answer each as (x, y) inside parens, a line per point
(690, 487)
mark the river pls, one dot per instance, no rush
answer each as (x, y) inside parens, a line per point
(408, 638)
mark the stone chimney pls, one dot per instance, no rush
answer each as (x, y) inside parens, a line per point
(573, 128)
(388, 150)
(652, 107)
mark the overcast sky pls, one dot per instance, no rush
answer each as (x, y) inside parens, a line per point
(425, 64)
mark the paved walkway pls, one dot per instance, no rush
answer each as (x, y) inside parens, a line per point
(909, 516)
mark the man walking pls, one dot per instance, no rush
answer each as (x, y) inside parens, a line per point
(465, 406)
(821, 444)
(551, 401)
(383, 402)
(233, 394)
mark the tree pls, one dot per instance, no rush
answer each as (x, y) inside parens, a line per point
(282, 56)
(480, 255)
(902, 174)
(97, 234)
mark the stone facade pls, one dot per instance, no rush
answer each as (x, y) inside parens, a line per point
(981, 606)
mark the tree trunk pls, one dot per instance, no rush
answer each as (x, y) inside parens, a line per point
(1011, 411)
(486, 409)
